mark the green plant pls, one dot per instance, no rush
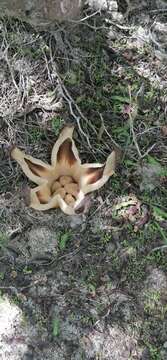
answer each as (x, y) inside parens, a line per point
(151, 302)
(56, 327)
(2, 275)
(34, 135)
(159, 213)
(27, 270)
(64, 239)
(154, 352)
(106, 238)
(56, 124)
(3, 240)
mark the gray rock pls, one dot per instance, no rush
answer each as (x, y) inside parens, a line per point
(156, 280)
(113, 344)
(41, 12)
(117, 16)
(15, 332)
(42, 241)
(153, 293)
(103, 5)
(75, 221)
(150, 175)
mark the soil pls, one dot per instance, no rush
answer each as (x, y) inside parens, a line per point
(91, 286)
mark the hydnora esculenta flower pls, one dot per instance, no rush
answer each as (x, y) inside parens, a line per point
(66, 181)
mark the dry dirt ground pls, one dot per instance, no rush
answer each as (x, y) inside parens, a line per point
(92, 286)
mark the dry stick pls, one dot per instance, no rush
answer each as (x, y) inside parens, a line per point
(131, 121)
(148, 151)
(24, 87)
(8, 62)
(86, 17)
(70, 103)
(47, 67)
(158, 11)
(11, 71)
(120, 27)
(149, 130)
(65, 94)
(163, 247)
(106, 131)
(78, 109)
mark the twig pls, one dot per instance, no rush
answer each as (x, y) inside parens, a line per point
(163, 247)
(65, 94)
(8, 62)
(131, 121)
(106, 131)
(85, 18)
(158, 11)
(148, 151)
(11, 71)
(99, 207)
(121, 27)
(71, 103)
(47, 66)
(148, 130)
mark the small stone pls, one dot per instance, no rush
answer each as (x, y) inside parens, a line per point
(112, 36)
(113, 6)
(13, 274)
(116, 16)
(42, 241)
(76, 221)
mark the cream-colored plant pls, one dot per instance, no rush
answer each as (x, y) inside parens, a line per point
(66, 181)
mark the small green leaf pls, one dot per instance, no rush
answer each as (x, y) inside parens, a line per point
(91, 288)
(71, 78)
(122, 99)
(2, 275)
(129, 162)
(27, 270)
(56, 327)
(64, 238)
(3, 240)
(161, 171)
(152, 161)
(159, 213)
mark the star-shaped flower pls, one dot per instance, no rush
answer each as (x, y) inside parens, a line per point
(66, 181)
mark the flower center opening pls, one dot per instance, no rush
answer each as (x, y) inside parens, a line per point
(67, 188)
